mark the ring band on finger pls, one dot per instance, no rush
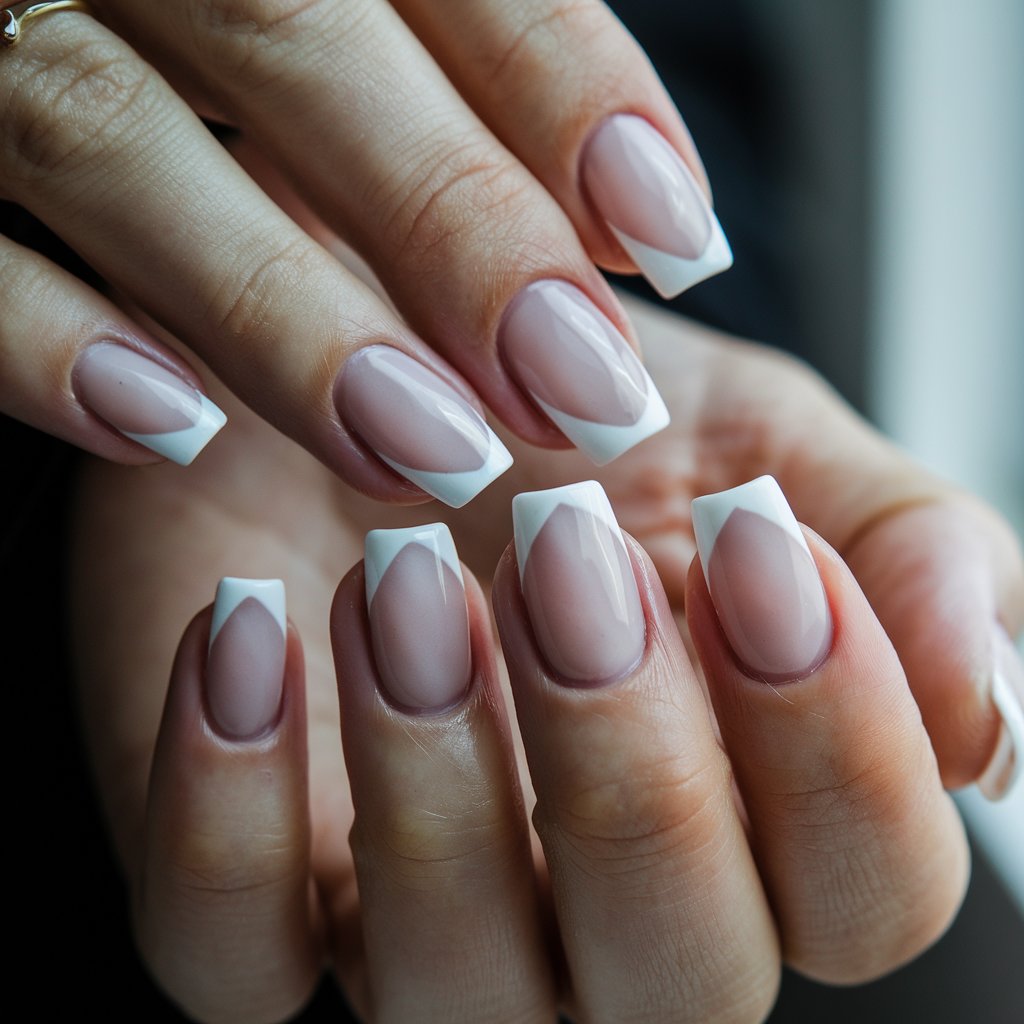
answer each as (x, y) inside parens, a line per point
(14, 17)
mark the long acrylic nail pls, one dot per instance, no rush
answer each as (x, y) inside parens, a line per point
(763, 581)
(418, 424)
(580, 370)
(578, 582)
(419, 626)
(1006, 766)
(146, 402)
(245, 663)
(653, 205)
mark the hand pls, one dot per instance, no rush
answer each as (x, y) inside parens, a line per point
(480, 156)
(633, 788)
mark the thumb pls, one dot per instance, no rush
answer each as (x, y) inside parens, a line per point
(946, 580)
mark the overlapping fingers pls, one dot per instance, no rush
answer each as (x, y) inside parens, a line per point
(671, 904)
(478, 255)
(852, 841)
(99, 146)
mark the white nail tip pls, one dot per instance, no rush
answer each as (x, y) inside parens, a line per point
(602, 442)
(232, 591)
(532, 509)
(762, 496)
(182, 446)
(458, 489)
(670, 275)
(382, 547)
(1005, 768)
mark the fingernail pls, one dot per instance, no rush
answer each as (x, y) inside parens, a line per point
(245, 663)
(419, 625)
(146, 402)
(653, 205)
(580, 370)
(1004, 768)
(418, 424)
(578, 582)
(763, 581)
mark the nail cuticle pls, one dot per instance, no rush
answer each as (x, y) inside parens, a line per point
(145, 401)
(767, 592)
(245, 659)
(578, 585)
(579, 370)
(418, 619)
(417, 424)
(652, 204)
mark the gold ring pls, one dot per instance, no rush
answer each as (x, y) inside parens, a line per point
(14, 16)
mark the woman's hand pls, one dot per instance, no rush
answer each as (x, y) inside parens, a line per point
(688, 846)
(481, 156)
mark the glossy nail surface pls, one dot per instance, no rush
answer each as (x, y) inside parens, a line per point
(578, 582)
(580, 370)
(419, 424)
(1006, 766)
(146, 402)
(416, 602)
(245, 663)
(653, 205)
(763, 581)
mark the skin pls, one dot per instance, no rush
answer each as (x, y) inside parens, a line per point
(935, 567)
(444, 144)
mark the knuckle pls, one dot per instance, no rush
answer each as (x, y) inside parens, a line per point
(240, 34)
(205, 866)
(76, 110)
(425, 848)
(244, 305)
(630, 823)
(538, 42)
(447, 198)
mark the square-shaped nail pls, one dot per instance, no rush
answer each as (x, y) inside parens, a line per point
(418, 424)
(419, 625)
(570, 358)
(653, 205)
(246, 658)
(763, 581)
(578, 583)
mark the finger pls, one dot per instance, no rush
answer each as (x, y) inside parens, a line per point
(478, 256)
(447, 892)
(100, 148)
(570, 92)
(223, 902)
(861, 851)
(944, 573)
(947, 581)
(72, 364)
(659, 904)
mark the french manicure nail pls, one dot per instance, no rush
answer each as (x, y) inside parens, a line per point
(653, 205)
(1005, 769)
(578, 582)
(245, 663)
(763, 581)
(580, 370)
(146, 402)
(418, 424)
(419, 626)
